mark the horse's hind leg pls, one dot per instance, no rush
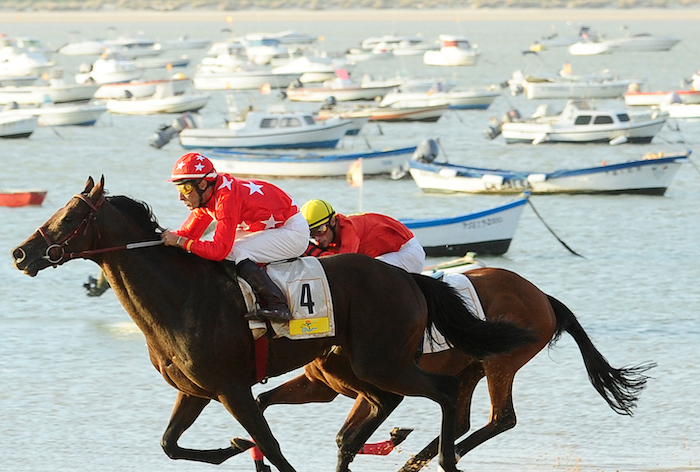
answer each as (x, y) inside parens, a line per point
(468, 380)
(503, 418)
(299, 390)
(185, 412)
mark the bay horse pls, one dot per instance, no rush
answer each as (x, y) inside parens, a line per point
(505, 296)
(192, 315)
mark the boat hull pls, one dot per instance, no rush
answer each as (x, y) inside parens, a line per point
(465, 100)
(576, 89)
(36, 95)
(428, 114)
(259, 164)
(17, 126)
(20, 198)
(484, 232)
(325, 137)
(140, 89)
(152, 106)
(320, 94)
(246, 80)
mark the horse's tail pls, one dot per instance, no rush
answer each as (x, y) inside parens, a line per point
(619, 387)
(462, 327)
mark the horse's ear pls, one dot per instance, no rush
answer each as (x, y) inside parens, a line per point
(98, 189)
(89, 184)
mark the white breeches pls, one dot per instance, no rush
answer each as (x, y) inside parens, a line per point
(276, 244)
(410, 257)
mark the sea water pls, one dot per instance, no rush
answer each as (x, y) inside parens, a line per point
(79, 393)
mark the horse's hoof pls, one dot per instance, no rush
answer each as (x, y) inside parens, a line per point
(242, 444)
(398, 435)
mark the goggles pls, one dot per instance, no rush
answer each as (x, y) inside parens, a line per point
(186, 188)
(319, 230)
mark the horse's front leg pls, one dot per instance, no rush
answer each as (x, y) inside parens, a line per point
(240, 403)
(185, 411)
(364, 419)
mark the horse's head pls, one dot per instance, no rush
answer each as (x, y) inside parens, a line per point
(68, 231)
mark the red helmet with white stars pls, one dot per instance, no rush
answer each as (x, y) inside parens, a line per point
(193, 166)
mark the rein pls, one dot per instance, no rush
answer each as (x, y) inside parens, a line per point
(56, 253)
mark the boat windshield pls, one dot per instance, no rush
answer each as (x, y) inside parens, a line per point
(623, 117)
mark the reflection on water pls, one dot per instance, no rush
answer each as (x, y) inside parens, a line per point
(79, 392)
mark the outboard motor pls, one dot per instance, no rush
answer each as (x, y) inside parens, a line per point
(329, 103)
(495, 126)
(165, 133)
(10, 106)
(426, 151)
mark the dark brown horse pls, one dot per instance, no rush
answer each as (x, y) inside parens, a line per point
(507, 297)
(192, 315)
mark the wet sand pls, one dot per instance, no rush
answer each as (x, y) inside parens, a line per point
(394, 15)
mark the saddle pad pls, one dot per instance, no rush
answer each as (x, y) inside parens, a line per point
(304, 282)
(468, 293)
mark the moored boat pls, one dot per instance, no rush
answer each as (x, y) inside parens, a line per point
(484, 232)
(650, 175)
(20, 198)
(581, 122)
(264, 130)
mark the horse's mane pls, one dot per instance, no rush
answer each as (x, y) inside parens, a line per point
(138, 212)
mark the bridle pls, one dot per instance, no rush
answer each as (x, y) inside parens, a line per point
(56, 253)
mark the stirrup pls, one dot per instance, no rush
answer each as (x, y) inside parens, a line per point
(263, 314)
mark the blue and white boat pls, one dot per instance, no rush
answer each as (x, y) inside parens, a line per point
(650, 176)
(269, 130)
(483, 232)
(269, 164)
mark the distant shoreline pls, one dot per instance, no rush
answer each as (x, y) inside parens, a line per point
(350, 15)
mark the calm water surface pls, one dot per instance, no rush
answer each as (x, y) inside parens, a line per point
(78, 391)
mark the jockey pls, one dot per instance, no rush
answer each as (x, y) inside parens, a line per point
(256, 223)
(375, 235)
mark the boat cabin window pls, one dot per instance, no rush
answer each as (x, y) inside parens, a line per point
(309, 120)
(268, 123)
(290, 122)
(603, 120)
(582, 120)
(623, 117)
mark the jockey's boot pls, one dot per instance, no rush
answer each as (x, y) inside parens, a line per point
(273, 304)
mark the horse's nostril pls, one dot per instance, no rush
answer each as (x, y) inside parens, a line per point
(18, 254)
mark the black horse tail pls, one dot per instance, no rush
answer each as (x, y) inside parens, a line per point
(462, 327)
(620, 388)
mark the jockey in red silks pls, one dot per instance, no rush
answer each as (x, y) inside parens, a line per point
(375, 235)
(256, 223)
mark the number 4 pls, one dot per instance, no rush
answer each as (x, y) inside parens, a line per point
(306, 299)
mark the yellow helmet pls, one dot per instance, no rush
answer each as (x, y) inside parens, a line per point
(317, 212)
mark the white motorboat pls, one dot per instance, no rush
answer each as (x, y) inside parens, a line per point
(141, 88)
(17, 62)
(128, 47)
(454, 99)
(484, 232)
(454, 51)
(264, 130)
(242, 80)
(341, 88)
(589, 47)
(650, 175)
(67, 114)
(635, 43)
(398, 45)
(308, 164)
(573, 87)
(108, 69)
(676, 108)
(555, 40)
(163, 100)
(581, 122)
(17, 125)
(428, 113)
(263, 49)
(355, 55)
(54, 92)
(83, 48)
(644, 42)
(184, 42)
(311, 70)
(226, 56)
(636, 97)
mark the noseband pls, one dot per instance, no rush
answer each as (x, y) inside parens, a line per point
(55, 252)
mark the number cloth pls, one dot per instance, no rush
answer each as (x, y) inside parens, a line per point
(255, 220)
